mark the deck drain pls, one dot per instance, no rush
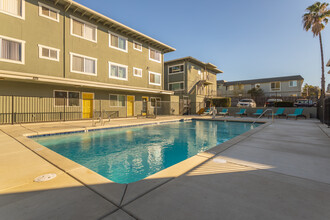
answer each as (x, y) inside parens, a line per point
(218, 160)
(45, 177)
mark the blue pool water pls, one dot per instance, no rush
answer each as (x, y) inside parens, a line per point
(126, 155)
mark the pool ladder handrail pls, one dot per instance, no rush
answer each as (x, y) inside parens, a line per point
(263, 114)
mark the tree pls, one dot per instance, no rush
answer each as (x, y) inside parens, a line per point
(311, 91)
(315, 20)
(256, 92)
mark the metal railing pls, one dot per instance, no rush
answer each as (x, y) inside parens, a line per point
(263, 113)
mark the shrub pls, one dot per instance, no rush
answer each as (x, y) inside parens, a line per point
(283, 104)
(223, 102)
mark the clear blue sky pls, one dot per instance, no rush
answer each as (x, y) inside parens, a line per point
(245, 38)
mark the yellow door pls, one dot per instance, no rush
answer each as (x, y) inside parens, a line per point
(144, 105)
(88, 99)
(130, 106)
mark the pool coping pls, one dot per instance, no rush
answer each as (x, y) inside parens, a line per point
(123, 194)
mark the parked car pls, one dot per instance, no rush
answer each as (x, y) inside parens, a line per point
(304, 103)
(247, 103)
(271, 102)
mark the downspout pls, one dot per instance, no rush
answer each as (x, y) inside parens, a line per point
(67, 7)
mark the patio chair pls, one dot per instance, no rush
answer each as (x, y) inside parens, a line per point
(297, 113)
(241, 112)
(206, 112)
(259, 112)
(279, 112)
(224, 112)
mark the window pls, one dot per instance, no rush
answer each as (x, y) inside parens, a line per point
(176, 86)
(117, 71)
(231, 88)
(275, 86)
(82, 29)
(137, 72)
(293, 83)
(153, 102)
(137, 46)
(48, 53)
(13, 7)
(199, 72)
(154, 78)
(154, 55)
(118, 42)
(175, 69)
(67, 98)
(83, 64)
(49, 12)
(117, 100)
(240, 86)
(11, 50)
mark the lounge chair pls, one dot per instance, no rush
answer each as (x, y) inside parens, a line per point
(206, 112)
(241, 112)
(224, 112)
(297, 113)
(279, 112)
(259, 112)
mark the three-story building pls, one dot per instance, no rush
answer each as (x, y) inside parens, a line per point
(62, 49)
(192, 80)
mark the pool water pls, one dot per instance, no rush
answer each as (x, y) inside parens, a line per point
(126, 155)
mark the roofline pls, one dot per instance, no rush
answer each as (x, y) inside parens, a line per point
(299, 77)
(209, 66)
(75, 6)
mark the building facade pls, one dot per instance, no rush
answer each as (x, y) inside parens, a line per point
(271, 87)
(61, 49)
(192, 80)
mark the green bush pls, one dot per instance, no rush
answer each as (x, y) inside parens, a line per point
(223, 102)
(283, 104)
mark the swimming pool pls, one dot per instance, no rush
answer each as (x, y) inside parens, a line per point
(126, 155)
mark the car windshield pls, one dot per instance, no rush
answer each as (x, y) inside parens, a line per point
(274, 100)
(246, 100)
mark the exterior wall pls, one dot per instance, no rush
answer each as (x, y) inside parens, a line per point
(101, 98)
(285, 90)
(36, 30)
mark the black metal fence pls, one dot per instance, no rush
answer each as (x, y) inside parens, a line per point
(324, 110)
(19, 109)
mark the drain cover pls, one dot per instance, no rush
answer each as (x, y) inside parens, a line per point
(218, 160)
(45, 177)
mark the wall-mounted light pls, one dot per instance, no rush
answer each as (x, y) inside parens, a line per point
(35, 78)
(2, 78)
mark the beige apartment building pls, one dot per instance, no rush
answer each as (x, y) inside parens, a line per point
(61, 49)
(192, 80)
(271, 87)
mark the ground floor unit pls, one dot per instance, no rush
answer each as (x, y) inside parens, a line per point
(35, 102)
(280, 171)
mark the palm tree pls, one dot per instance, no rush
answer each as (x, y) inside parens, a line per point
(315, 19)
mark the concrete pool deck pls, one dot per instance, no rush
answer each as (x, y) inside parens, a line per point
(280, 171)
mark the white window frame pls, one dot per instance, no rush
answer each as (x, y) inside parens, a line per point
(85, 22)
(117, 100)
(134, 68)
(157, 102)
(231, 88)
(67, 98)
(118, 35)
(293, 81)
(117, 64)
(158, 61)
(150, 83)
(135, 42)
(50, 48)
(17, 16)
(176, 83)
(49, 8)
(22, 42)
(275, 89)
(168, 69)
(83, 56)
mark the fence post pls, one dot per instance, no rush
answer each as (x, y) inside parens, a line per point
(12, 109)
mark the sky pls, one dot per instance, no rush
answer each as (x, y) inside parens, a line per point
(246, 39)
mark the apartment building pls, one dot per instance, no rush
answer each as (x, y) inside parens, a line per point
(276, 86)
(62, 49)
(192, 80)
